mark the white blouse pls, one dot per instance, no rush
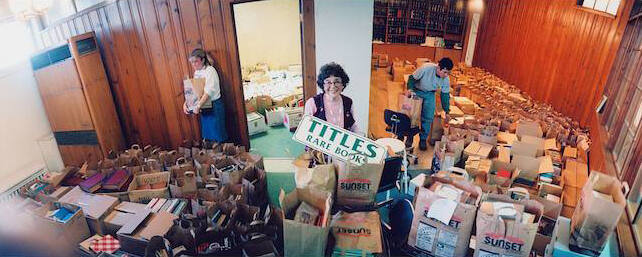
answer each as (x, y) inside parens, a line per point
(212, 83)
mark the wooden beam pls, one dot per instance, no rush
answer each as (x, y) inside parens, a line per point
(237, 120)
(308, 52)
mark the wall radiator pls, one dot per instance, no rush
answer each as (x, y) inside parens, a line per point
(13, 192)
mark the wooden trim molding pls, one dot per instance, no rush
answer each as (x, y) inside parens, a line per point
(308, 49)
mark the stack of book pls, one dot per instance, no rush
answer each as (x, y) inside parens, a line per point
(174, 206)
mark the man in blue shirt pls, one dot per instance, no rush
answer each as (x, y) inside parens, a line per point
(425, 81)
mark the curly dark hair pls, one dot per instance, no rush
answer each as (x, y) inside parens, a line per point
(332, 69)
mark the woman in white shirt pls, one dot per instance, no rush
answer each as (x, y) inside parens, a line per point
(212, 119)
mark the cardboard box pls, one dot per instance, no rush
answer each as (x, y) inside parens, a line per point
(65, 235)
(575, 174)
(303, 239)
(95, 207)
(56, 195)
(292, 117)
(274, 116)
(478, 149)
(506, 138)
(144, 195)
(538, 142)
(55, 178)
(497, 177)
(548, 221)
(523, 149)
(567, 211)
(456, 112)
(466, 105)
(134, 236)
(529, 128)
(263, 102)
(256, 123)
(528, 166)
(569, 152)
(595, 218)
(559, 246)
(551, 144)
(546, 189)
(121, 215)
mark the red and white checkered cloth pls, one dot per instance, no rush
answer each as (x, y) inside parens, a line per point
(107, 244)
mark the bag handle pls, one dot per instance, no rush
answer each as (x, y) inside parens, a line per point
(189, 174)
(172, 152)
(135, 147)
(625, 188)
(181, 160)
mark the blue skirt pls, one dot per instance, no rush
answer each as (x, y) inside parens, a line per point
(213, 122)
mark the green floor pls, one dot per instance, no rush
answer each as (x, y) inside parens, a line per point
(276, 143)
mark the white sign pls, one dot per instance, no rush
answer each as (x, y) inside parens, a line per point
(338, 142)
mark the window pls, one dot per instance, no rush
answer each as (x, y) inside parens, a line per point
(606, 6)
(19, 47)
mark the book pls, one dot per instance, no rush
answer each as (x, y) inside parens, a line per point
(179, 208)
(166, 205)
(172, 206)
(93, 183)
(151, 203)
(158, 205)
(116, 179)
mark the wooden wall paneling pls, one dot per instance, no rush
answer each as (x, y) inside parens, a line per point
(111, 66)
(190, 123)
(144, 46)
(308, 50)
(148, 126)
(153, 76)
(553, 51)
(234, 89)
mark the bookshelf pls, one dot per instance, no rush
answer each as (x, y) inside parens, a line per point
(411, 21)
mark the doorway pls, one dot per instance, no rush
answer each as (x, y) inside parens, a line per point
(268, 37)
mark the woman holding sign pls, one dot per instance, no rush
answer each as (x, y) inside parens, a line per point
(331, 105)
(212, 119)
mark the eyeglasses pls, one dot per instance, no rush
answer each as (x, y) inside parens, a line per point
(335, 83)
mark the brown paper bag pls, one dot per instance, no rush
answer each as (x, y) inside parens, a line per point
(411, 106)
(302, 239)
(321, 176)
(357, 185)
(595, 218)
(497, 236)
(435, 237)
(181, 166)
(193, 90)
(227, 170)
(357, 231)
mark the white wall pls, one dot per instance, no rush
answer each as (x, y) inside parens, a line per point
(343, 33)
(268, 32)
(24, 124)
